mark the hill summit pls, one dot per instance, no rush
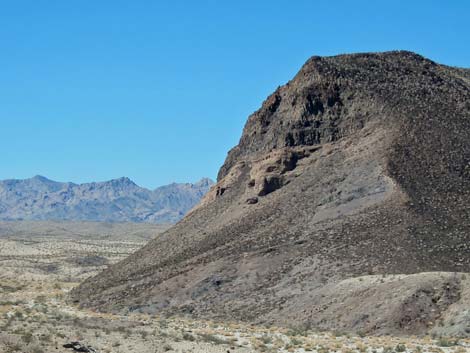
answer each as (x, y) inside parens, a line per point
(344, 206)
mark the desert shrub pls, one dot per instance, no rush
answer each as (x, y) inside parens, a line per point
(166, 347)
(299, 330)
(447, 342)
(27, 337)
(34, 349)
(266, 339)
(361, 334)
(207, 337)
(188, 337)
(19, 315)
(400, 348)
(296, 342)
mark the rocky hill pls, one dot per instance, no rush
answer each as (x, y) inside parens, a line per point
(118, 200)
(344, 206)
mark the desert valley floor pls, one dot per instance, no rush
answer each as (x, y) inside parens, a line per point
(40, 262)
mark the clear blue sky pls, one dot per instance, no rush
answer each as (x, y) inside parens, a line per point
(160, 90)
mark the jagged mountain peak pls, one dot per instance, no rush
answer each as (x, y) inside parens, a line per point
(122, 181)
(207, 182)
(41, 178)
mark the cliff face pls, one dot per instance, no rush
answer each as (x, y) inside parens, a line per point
(359, 166)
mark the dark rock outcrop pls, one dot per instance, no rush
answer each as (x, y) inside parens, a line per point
(79, 347)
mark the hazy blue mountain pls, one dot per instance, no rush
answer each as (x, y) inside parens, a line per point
(117, 200)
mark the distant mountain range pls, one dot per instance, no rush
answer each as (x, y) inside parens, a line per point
(117, 200)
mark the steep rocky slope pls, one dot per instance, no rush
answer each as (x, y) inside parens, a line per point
(359, 167)
(117, 200)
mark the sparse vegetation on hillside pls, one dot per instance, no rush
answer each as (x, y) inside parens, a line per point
(35, 317)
